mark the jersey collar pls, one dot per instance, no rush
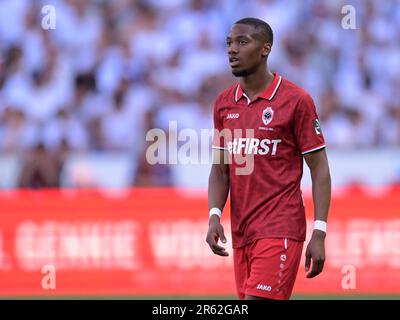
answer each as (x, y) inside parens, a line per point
(267, 94)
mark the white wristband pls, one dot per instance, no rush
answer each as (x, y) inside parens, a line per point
(320, 225)
(216, 211)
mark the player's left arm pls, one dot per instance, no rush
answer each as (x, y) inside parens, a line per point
(317, 161)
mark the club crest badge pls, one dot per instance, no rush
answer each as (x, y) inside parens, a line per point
(267, 115)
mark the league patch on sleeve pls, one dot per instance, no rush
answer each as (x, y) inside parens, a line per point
(317, 126)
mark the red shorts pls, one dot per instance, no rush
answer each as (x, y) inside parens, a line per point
(267, 268)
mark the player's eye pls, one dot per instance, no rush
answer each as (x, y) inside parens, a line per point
(242, 42)
(228, 43)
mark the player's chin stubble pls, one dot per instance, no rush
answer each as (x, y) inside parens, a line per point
(241, 73)
(244, 72)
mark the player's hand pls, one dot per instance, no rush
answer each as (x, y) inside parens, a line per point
(316, 252)
(216, 232)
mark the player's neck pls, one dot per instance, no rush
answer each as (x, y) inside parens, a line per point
(257, 82)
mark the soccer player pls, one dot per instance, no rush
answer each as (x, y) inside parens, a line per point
(272, 124)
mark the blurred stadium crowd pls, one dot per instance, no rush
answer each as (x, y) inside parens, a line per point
(111, 70)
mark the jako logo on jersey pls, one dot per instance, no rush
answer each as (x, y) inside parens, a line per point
(253, 146)
(264, 287)
(232, 116)
(267, 115)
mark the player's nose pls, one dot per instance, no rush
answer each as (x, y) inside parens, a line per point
(232, 50)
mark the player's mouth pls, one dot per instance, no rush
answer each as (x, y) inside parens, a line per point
(234, 62)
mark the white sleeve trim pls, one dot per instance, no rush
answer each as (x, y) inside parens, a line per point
(220, 148)
(314, 149)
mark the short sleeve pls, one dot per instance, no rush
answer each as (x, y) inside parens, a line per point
(307, 129)
(218, 137)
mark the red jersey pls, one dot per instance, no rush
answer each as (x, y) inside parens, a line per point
(269, 136)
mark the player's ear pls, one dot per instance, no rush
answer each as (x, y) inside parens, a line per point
(266, 49)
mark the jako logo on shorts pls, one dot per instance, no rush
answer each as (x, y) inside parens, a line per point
(264, 287)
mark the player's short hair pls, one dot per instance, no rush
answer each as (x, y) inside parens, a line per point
(263, 28)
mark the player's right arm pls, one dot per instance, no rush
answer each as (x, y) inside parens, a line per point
(218, 189)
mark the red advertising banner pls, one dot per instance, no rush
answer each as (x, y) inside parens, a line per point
(151, 242)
